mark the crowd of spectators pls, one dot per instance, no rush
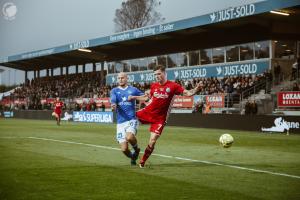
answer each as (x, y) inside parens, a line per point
(84, 85)
(231, 85)
(88, 85)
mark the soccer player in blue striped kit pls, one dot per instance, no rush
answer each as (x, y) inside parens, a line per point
(127, 123)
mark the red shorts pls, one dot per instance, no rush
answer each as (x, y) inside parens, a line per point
(156, 126)
(58, 112)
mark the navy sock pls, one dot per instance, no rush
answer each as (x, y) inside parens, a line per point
(135, 147)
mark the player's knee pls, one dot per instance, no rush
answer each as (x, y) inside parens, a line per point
(123, 149)
(130, 137)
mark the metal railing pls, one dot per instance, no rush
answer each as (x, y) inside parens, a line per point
(265, 84)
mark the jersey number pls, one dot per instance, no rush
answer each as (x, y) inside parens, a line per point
(119, 136)
(159, 127)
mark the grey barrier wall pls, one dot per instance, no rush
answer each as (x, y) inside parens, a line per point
(232, 122)
(197, 120)
(33, 114)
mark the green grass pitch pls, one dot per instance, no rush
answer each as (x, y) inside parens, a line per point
(39, 160)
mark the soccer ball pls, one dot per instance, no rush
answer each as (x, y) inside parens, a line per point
(226, 140)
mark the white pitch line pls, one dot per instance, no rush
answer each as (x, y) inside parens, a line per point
(79, 143)
(164, 156)
(11, 137)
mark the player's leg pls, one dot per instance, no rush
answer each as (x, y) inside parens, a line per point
(58, 118)
(131, 131)
(121, 138)
(54, 115)
(125, 149)
(155, 131)
(149, 149)
(131, 138)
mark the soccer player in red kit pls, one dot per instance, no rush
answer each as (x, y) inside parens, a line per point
(161, 96)
(57, 110)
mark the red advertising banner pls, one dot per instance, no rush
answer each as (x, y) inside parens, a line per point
(79, 100)
(15, 102)
(6, 102)
(215, 101)
(50, 100)
(20, 101)
(183, 102)
(288, 99)
(98, 101)
(106, 102)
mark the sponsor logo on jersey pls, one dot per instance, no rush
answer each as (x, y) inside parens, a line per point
(160, 95)
(124, 103)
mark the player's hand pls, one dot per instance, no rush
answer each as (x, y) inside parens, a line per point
(113, 107)
(130, 98)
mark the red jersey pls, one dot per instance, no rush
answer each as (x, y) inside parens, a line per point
(161, 100)
(58, 106)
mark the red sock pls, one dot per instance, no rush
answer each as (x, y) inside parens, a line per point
(147, 153)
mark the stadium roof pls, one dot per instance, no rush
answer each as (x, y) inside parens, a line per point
(251, 22)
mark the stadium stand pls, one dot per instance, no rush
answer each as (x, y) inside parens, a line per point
(87, 85)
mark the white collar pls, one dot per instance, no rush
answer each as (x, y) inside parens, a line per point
(123, 88)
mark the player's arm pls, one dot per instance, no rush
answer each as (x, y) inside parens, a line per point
(113, 101)
(143, 97)
(193, 91)
(113, 107)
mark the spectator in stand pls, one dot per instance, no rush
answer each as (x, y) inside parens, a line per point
(88, 106)
(296, 69)
(277, 73)
(296, 87)
(77, 107)
(269, 79)
(93, 106)
(253, 107)
(83, 107)
(247, 108)
(207, 108)
(198, 107)
(102, 106)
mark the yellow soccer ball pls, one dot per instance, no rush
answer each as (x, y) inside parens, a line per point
(226, 140)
